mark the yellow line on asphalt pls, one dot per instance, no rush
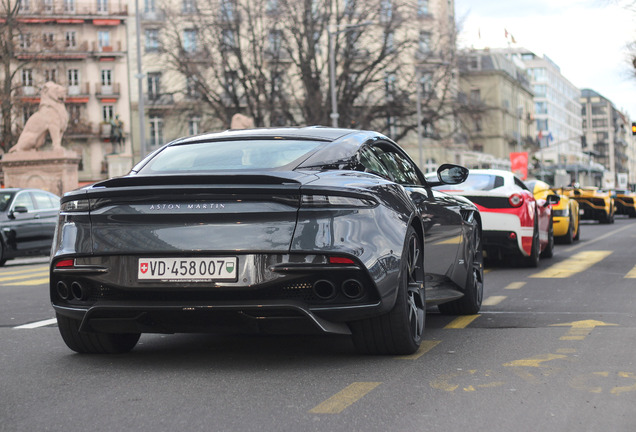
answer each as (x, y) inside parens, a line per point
(425, 347)
(631, 274)
(29, 270)
(462, 322)
(345, 398)
(515, 285)
(30, 282)
(493, 300)
(24, 276)
(597, 239)
(575, 264)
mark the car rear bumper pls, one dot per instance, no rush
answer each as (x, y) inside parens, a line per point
(504, 232)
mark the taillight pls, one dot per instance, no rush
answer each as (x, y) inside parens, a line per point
(75, 206)
(340, 260)
(65, 263)
(335, 201)
(515, 200)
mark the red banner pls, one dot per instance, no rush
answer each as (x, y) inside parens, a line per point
(519, 164)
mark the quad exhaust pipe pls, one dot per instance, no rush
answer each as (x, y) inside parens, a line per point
(326, 290)
(76, 291)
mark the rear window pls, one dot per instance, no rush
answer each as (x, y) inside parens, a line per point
(230, 155)
(481, 182)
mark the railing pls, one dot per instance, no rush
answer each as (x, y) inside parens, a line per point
(79, 89)
(115, 46)
(67, 7)
(107, 90)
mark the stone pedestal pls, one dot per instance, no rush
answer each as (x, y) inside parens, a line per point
(54, 171)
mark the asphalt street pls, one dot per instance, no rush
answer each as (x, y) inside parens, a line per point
(553, 349)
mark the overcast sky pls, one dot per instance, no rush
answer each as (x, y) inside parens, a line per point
(587, 39)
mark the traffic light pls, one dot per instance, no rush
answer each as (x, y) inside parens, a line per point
(633, 128)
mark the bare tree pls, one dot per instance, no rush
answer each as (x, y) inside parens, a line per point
(270, 60)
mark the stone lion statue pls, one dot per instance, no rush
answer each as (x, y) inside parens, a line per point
(50, 117)
(240, 121)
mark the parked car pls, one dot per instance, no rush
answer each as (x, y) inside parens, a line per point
(565, 214)
(516, 226)
(273, 230)
(594, 203)
(27, 222)
(625, 202)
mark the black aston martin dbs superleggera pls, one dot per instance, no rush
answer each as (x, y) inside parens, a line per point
(266, 230)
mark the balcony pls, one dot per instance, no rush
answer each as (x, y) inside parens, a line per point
(79, 129)
(155, 16)
(62, 8)
(107, 91)
(112, 50)
(78, 93)
(158, 101)
(53, 51)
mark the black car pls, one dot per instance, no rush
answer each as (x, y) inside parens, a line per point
(27, 222)
(287, 230)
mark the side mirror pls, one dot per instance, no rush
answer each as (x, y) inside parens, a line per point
(18, 209)
(552, 199)
(452, 174)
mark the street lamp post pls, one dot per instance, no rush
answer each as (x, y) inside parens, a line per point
(332, 31)
(140, 80)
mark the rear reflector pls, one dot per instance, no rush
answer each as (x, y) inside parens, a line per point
(340, 260)
(65, 263)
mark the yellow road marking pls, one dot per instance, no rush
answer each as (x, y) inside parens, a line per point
(631, 274)
(575, 264)
(345, 398)
(515, 285)
(31, 282)
(493, 300)
(580, 329)
(462, 322)
(535, 361)
(425, 347)
(24, 276)
(29, 270)
(597, 239)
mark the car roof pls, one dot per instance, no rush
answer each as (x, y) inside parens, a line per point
(310, 132)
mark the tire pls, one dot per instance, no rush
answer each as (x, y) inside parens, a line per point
(548, 252)
(578, 231)
(533, 259)
(470, 303)
(569, 236)
(94, 343)
(2, 259)
(400, 331)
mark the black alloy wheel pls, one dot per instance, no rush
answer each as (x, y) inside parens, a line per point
(533, 259)
(470, 303)
(548, 252)
(400, 331)
(94, 343)
(569, 236)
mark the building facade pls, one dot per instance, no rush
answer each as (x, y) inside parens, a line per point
(496, 107)
(81, 45)
(558, 119)
(173, 100)
(607, 137)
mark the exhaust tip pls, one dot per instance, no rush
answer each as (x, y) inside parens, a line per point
(324, 290)
(62, 290)
(352, 289)
(78, 291)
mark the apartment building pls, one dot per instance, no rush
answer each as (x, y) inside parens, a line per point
(607, 137)
(497, 107)
(82, 45)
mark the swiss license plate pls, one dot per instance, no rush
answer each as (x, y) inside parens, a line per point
(187, 269)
